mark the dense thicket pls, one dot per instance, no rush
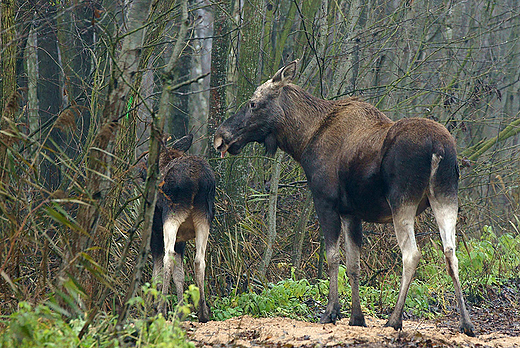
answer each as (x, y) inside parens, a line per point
(88, 86)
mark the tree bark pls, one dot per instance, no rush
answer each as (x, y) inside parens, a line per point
(7, 78)
(271, 224)
(219, 63)
(150, 198)
(300, 229)
(49, 92)
(98, 163)
(200, 65)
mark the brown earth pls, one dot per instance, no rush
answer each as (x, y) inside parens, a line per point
(494, 328)
(497, 324)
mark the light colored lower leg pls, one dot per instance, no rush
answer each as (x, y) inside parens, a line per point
(445, 211)
(170, 228)
(333, 257)
(202, 229)
(178, 277)
(404, 218)
(201, 240)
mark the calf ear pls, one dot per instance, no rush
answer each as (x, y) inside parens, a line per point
(184, 143)
(286, 74)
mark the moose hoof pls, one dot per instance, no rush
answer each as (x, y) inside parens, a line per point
(396, 324)
(204, 313)
(330, 316)
(467, 329)
(357, 321)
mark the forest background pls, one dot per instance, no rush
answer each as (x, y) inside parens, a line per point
(88, 87)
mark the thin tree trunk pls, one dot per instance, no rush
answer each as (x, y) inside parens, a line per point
(8, 51)
(345, 76)
(318, 49)
(98, 184)
(219, 60)
(31, 59)
(8, 107)
(300, 229)
(271, 224)
(200, 65)
(7, 77)
(151, 188)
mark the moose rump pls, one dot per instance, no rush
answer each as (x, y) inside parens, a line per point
(184, 211)
(360, 166)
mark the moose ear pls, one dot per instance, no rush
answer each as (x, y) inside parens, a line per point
(184, 143)
(286, 74)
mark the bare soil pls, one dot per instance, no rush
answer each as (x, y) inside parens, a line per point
(496, 317)
(494, 328)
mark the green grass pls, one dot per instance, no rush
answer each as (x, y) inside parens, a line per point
(486, 262)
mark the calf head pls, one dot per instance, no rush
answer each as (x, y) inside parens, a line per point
(257, 119)
(167, 154)
(177, 149)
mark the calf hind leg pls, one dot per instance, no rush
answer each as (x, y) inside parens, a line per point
(445, 211)
(178, 273)
(201, 239)
(171, 225)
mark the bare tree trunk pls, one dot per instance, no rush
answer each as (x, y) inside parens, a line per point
(151, 188)
(200, 65)
(219, 63)
(344, 78)
(8, 52)
(49, 92)
(300, 229)
(318, 49)
(271, 224)
(7, 76)
(31, 59)
(8, 108)
(97, 184)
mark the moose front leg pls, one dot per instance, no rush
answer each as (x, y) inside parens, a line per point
(330, 227)
(351, 228)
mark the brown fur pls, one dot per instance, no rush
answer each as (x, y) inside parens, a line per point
(360, 166)
(184, 211)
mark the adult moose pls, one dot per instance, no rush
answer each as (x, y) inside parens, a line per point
(184, 211)
(360, 166)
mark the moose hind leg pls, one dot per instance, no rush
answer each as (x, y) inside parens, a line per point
(352, 230)
(404, 217)
(201, 240)
(178, 271)
(445, 211)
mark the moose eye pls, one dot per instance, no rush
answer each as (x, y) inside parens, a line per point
(253, 105)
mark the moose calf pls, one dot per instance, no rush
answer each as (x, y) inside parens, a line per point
(184, 211)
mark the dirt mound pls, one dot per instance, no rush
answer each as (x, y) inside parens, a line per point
(283, 332)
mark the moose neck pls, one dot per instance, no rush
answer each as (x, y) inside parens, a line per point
(303, 114)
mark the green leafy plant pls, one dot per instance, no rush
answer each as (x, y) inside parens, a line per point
(42, 326)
